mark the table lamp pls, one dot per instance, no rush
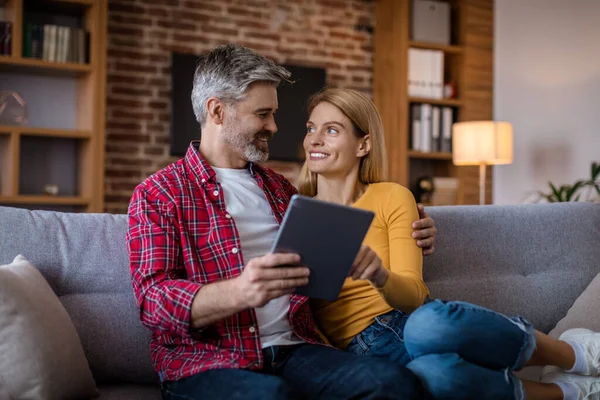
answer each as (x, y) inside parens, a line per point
(482, 143)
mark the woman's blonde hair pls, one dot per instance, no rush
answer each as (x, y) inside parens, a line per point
(365, 119)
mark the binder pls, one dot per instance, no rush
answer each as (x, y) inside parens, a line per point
(436, 145)
(430, 21)
(412, 68)
(418, 73)
(415, 127)
(447, 120)
(425, 128)
(427, 70)
(437, 71)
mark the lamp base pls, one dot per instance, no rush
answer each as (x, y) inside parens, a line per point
(482, 167)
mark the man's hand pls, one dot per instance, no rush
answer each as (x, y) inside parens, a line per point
(261, 281)
(367, 266)
(425, 231)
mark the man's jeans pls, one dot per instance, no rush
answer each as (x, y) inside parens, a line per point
(303, 372)
(458, 350)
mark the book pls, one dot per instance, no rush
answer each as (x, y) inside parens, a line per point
(46, 42)
(72, 56)
(27, 40)
(445, 191)
(5, 38)
(2, 34)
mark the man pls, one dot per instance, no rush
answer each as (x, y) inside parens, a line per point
(224, 322)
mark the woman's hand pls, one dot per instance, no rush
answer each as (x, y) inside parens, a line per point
(425, 231)
(367, 266)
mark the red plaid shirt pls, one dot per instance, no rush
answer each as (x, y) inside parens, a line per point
(180, 238)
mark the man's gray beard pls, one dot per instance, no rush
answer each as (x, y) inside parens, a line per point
(252, 153)
(255, 155)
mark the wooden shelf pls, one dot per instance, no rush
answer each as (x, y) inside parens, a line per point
(430, 156)
(434, 46)
(438, 102)
(48, 200)
(33, 131)
(20, 64)
(81, 2)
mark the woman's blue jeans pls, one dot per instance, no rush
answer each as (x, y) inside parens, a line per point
(458, 350)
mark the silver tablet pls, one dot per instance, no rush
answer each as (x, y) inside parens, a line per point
(327, 237)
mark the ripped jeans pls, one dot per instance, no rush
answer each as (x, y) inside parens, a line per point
(458, 350)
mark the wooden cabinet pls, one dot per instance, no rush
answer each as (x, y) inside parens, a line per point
(63, 142)
(468, 61)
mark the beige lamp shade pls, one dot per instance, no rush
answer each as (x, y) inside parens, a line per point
(482, 142)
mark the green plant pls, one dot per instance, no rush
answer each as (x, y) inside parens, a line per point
(589, 189)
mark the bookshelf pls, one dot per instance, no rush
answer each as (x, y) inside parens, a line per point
(67, 148)
(468, 62)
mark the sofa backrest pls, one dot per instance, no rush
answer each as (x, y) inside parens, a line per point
(85, 261)
(531, 260)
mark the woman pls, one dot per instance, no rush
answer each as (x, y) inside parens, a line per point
(458, 350)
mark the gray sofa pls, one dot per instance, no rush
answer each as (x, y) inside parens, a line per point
(532, 260)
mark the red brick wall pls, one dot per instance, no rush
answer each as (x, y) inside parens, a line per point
(143, 33)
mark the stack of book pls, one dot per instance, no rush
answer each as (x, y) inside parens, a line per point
(56, 43)
(445, 191)
(431, 128)
(5, 38)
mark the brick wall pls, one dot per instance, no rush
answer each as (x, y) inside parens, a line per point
(143, 33)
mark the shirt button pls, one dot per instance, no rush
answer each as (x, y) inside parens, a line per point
(203, 180)
(234, 250)
(228, 216)
(216, 192)
(252, 329)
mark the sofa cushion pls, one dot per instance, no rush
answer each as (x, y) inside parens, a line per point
(84, 259)
(109, 324)
(42, 356)
(585, 312)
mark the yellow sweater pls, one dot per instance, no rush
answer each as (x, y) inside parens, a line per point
(390, 236)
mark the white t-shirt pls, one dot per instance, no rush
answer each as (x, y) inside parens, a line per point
(246, 203)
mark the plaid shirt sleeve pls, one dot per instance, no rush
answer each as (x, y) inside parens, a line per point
(164, 298)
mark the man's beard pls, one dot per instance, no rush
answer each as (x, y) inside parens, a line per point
(254, 151)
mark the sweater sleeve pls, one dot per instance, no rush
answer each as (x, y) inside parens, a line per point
(405, 289)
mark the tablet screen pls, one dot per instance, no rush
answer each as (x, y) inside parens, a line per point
(327, 237)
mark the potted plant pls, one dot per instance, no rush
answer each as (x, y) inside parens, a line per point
(582, 190)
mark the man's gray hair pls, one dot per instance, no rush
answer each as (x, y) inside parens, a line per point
(227, 71)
